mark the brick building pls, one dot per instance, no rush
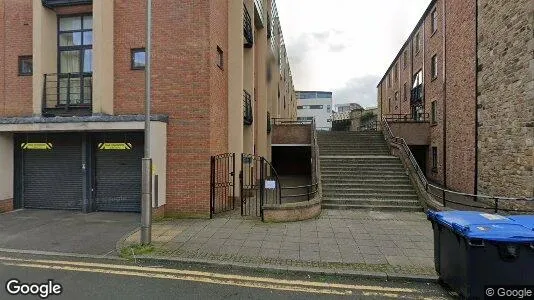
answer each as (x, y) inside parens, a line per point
(72, 98)
(461, 93)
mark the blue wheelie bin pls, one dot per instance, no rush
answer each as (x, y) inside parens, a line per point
(525, 220)
(474, 250)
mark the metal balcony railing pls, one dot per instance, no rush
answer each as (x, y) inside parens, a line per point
(269, 125)
(65, 92)
(60, 3)
(247, 109)
(247, 28)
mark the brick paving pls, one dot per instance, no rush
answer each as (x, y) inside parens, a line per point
(346, 239)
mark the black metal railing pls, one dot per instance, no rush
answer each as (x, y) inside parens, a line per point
(299, 193)
(287, 121)
(269, 125)
(222, 183)
(247, 28)
(247, 109)
(67, 91)
(422, 117)
(453, 199)
(417, 94)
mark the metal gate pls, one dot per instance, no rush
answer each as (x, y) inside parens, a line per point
(259, 185)
(222, 185)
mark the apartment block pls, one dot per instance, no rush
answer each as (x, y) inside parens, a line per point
(460, 93)
(72, 97)
(315, 105)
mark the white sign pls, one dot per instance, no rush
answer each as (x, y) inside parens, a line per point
(270, 184)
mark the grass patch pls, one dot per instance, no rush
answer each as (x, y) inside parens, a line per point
(136, 250)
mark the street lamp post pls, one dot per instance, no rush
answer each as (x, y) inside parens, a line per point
(146, 188)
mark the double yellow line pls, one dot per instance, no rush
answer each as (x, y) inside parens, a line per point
(209, 277)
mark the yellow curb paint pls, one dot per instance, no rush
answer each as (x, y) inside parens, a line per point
(189, 278)
(217, 275)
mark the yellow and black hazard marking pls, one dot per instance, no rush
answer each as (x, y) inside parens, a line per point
(36, 146)
(115, 146)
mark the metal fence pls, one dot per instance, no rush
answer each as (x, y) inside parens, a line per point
(455, 199)
(222, 187)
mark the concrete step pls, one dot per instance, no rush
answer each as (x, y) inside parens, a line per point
(362, 165)
(369, 191)
(373, 207)
(373, 182)
(384, 196)
(367, 185)
(384, 167)
(356, 171)
(354, 153)
(336, 177)
(392, 202)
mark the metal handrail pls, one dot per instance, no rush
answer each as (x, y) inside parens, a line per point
(390, 138)
(423, 117)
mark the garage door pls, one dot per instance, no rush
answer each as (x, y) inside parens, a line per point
(52, 171)
(118, 171)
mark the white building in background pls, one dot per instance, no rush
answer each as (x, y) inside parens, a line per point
(315, 104)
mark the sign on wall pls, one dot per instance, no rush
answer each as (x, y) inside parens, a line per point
(115, 146)
(36, 146)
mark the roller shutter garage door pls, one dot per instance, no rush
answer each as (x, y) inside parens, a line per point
(52, 178)
(118, 172)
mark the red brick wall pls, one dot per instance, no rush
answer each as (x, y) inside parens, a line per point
(461, 97)
(6, 205)
(218, 77)
(181, 67)
(15, 41)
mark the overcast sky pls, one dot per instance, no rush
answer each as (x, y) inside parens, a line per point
(345, 46)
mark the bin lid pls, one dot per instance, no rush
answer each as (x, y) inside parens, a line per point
(525, 220)
(479, 225)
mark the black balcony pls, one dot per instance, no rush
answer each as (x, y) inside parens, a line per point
(68, 94)
(417, 95)
(247, 109)
(247, 29)
(269, 127)
(60, 3)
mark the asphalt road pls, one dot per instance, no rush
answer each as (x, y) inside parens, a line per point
(107, 280)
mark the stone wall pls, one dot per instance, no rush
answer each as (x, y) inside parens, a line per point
(505, 98)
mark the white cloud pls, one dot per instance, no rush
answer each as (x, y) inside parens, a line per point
(335, 44)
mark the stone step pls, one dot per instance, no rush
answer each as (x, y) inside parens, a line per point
(355, 171)
(363, 177)
(343, 201)
(384, 195)
(391, 164)
(354, 153)
(361, 167)
(373, 207)
(367, 185)
(369, 191)
(366, 181)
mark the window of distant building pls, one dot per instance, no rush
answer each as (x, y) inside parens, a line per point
(434, 159)
(396, 100)
(389, 104)
(405, 59)
(433, 21)
(434, 67)
(433, 113)
(220, 58)
(417, 42)
(418, 79)
(25, 65)
(138, 59)
(316, 107)
(396, 72)
(389, 80)
(328, 108)
(405, 91)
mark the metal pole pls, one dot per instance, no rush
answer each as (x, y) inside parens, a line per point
(146, 206)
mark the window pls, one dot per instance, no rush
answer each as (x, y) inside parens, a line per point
(405, 91)
(389, 80)
(389, 104)
(328, 108)
(405, 59)
(75, 55)
(434, 159)
(433, 21)
(316, 107)
(433, 113)
(396, 72)
(434, 67)
(396, 100)
(138, 59)
(418, 79)
(417, 42)
(220, 58)
(25, 65)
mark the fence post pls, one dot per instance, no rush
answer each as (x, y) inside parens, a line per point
(212, 185)
(241, 178)
(262, 185)
(444, 195)
(308, 192)
(496, 205)
(233, 181)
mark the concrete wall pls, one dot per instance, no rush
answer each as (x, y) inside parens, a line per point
(103, 72)
(158, 151)
(414, 133)
(6, 166)
(291, 134)
(506, 98)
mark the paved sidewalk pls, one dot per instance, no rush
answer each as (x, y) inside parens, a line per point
(357, 240)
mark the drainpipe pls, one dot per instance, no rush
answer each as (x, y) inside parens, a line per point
(444, 94)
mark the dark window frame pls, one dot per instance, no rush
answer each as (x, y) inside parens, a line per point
(405, 91)
(417, 43)
(81, 48)
(434, 159)
(434, 66)
(133, 51)
(20, 60)
(220, 58)
(433, 21)
(405, 59)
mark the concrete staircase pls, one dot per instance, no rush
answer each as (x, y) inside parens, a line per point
(358, 172)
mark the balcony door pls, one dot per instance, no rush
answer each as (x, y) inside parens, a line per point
(75, 60)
